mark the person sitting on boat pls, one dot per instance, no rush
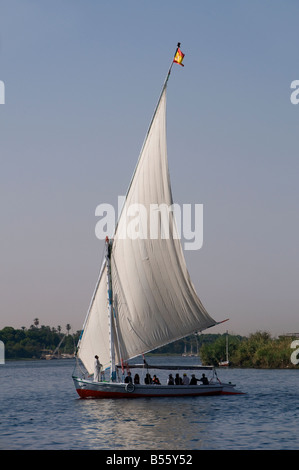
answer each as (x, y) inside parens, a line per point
(128, 379)
(186, 379)
(148, 379)
(97, 369)
(193, 380)
(178, 379)
(136, 379)
(204, 380)
(156, 380)
(170, 380)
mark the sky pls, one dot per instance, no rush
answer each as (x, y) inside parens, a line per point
(82, 79)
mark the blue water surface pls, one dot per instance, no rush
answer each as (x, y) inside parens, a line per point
(40, 409)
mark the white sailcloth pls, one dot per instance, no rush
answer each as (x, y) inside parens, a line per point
(154, 300)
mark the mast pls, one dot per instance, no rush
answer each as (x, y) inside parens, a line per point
(110, 309)
(163, 88)
(227, 346)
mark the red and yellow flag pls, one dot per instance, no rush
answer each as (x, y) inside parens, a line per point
(178, 58)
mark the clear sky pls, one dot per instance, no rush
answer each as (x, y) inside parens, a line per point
(82, 78)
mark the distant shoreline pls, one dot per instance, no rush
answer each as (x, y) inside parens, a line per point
(258, 351)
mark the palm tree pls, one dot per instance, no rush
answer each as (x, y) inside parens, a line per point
(68, 327)
(36, 322)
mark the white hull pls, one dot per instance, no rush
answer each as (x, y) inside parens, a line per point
(224, 364)
(89, 389)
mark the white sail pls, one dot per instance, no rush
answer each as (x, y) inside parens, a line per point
(154, 300)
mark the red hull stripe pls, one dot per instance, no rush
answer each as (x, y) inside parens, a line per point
(83, 393)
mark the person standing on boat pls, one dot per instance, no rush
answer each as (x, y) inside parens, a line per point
(186, 379)
(97, 369)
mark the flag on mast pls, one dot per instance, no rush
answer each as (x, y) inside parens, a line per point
(178, 58)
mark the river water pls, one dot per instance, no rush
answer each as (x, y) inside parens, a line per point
(40, 410)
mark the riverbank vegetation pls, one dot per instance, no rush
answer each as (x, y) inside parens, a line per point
(258, 350)
(37, 342)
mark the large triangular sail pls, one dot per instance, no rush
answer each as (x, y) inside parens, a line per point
(154, 300)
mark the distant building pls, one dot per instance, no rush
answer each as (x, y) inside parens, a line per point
(291, 335)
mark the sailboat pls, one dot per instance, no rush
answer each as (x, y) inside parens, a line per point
(225, 363)
(144, 297)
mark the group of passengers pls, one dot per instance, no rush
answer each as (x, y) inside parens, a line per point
(128, 379)
(186, 381)
(171, 381)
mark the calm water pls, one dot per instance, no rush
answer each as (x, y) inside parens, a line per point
(40, 409)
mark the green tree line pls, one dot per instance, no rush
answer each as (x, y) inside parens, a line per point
(36, 341)
(259, 350)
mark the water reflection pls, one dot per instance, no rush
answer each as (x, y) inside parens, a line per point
(146, 423)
